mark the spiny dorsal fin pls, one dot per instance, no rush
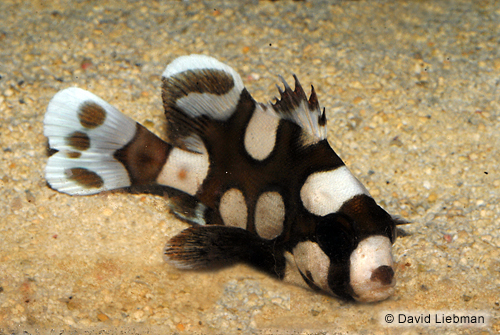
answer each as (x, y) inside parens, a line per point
(294, 106)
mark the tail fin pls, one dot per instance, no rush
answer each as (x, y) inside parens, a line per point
(98, 147)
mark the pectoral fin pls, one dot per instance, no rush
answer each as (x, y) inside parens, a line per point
(203, 247)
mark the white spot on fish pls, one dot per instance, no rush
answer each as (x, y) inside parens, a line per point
(184, 170)
(233, 208)
(269, 215)
(311, 259)
(260, 135)
(325, 192)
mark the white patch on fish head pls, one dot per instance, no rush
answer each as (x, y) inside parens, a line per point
(313, 263)
(326, 191)
(371, 269)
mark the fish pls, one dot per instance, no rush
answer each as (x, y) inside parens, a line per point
(258, 183)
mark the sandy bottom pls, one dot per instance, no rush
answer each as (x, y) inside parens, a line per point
(412, 94)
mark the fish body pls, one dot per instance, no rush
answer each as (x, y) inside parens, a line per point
(259, 183)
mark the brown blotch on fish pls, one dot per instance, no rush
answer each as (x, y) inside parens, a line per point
(209, 81)
(144, 156)
(182, 174)
(383, 274)
(84, 177)
(73, 154)
(79, 141)
(91, 115)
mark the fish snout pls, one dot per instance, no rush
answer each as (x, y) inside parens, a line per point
(371, 269)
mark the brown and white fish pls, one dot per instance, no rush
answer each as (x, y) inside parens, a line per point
(258, 182)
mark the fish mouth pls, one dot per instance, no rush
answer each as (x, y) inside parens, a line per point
(371, 272)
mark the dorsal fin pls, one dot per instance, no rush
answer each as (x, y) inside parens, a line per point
(196, 88)
(294, 106)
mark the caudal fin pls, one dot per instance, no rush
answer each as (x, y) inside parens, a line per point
(98, 147)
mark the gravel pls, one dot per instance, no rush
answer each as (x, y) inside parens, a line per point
(411, 90)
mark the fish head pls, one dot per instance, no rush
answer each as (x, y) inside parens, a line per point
(350, 253)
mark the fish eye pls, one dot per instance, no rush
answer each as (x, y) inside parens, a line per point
(333, 236)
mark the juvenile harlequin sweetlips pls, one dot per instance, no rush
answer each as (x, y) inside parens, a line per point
(258, 182)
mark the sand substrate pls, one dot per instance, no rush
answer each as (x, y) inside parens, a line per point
(412, 94)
